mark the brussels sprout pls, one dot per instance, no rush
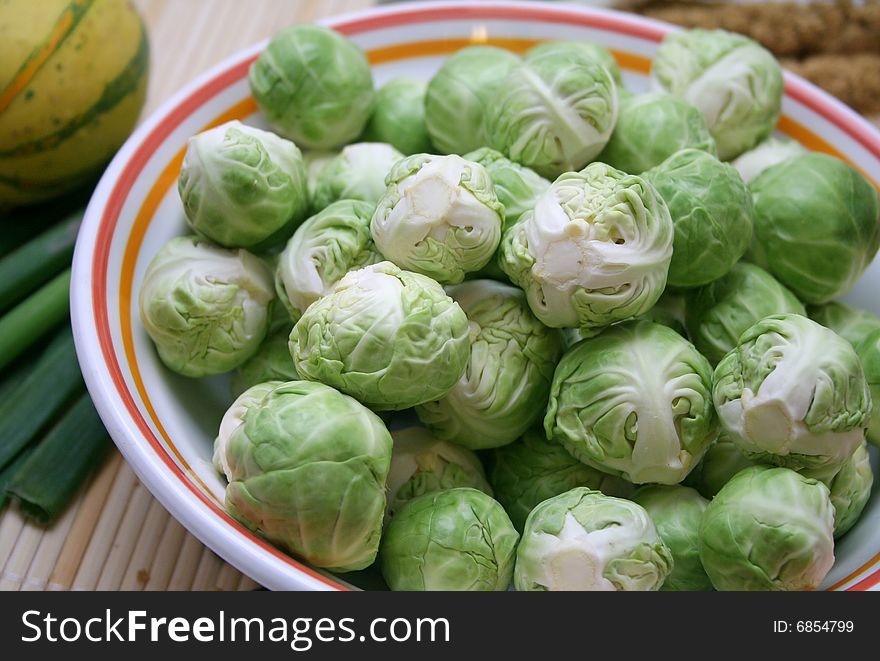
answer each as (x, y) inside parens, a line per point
(421, 463)
(553, 113)
(652, 127)
(324, 248)
(588, 49)
(504, 389)
(719, 313)
(459, 95)
(315, 162)
(205, 308)
(850, 488)
(816, 225)
(357, 173)
(307, 469)
(516, 187)
(869, 354)
(670, 311)
(721, 462)
(732, 80)
(595, 250)
(439, 217)
(793, 393)
(533, 469)
(314, 86)
(677, 513)
(770, 152)
(234, 418)
(634, 401)
(459, 539)
(242, 187)
(585, 540)
(712, 212)
(399, 117)
(272, 362)
(852, 324)
(768, 529)
(390, 338)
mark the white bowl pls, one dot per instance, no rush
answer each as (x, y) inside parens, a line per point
(165, 424)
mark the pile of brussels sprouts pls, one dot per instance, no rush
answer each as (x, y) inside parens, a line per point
(593, 302)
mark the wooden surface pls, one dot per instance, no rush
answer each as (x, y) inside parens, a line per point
(116, 535)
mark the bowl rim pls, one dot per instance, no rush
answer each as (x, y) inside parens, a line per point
(152, 463)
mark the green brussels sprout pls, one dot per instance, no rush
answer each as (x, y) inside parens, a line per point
(732, 80)
(272, 362)
(553, 113)
(242, 187)
(793, 393)
(458, 539)
(205, 308)
(769, 528)
(721, 462)
(516, 187)
(588, 49)
(315, 161)
(634, 401)
(388, 337)
(504, 389)
(421, 463)
(234, 418)
(770, 152)
(720, 312)
(459, 95)
(595, 249)
(324, 248)
(314, 86)
(852, 324)
(670, 310)
(652, 127)
(585, 540)
(533, 469)
(850, 488)
(356, 173)
(439, 217)
(306, 469)
(712, 212)
(816, 225)
(869, 354)
(677, 513)
(399, 117)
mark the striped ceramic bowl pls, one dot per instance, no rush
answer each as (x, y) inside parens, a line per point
(164, 424)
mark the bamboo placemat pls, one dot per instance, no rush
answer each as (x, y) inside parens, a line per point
(115, 535)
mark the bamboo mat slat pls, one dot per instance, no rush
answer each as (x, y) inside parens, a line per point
(116, 535)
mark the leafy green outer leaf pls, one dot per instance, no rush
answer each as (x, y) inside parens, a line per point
(850, 488)
(357, 173)
(768, 529)
(272, 362)
(869, 354)
(399, 117)
(588, 49)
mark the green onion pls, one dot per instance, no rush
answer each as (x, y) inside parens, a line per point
(9, 472)
(52, 382)
(22, 271)
(28, 321)
(24, 223)
(48, 478)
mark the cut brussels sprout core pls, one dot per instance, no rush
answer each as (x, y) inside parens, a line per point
(595, 250)
(242, 187)
(585, 540)
(307, 468)
(732, 80)
(357, 173)
(793, 393)
(459, 539)
(314, 86)
(422, 463)
(634, 401)
(439, 217)
(326, 247)
(768, 529)
(504, 389)
(553, 113)
(388, 337)
(205, 308)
